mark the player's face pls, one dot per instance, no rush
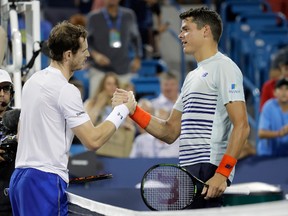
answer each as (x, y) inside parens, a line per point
(81, 56)
(191, 37)
(282, 94)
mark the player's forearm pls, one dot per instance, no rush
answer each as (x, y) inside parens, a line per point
(160, 129)
(238, 138)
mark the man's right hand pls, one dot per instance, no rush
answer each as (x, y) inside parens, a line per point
(121, 96)
(131, 103)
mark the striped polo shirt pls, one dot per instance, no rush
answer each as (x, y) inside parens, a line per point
(205, 125)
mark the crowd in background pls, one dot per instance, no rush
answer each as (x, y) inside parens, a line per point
(122, 34)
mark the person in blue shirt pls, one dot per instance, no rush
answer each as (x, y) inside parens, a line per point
(273, 123)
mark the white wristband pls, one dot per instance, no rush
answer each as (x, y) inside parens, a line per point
(118, 115)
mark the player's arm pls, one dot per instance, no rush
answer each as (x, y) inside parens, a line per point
(238, 116)
(166, 130)
(94, 137)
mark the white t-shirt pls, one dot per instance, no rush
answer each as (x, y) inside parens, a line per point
(50, 108)
(205, 125)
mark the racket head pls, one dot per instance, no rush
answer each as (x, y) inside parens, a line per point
(168, 187)
(86, 179)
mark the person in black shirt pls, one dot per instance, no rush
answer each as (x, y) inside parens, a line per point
(6, 168)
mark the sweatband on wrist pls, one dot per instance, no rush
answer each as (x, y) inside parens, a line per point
(141, 117)
(118, 115)
(226, 165)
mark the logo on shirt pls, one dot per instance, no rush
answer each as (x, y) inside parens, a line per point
(80, 113)
(233, 88)
(204, 74)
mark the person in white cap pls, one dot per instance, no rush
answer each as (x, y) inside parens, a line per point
(6, 168)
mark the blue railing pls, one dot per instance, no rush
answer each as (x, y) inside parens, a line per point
(253, 119)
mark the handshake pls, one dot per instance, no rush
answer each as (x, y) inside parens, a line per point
(121, 96)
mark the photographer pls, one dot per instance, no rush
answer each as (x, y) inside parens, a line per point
(6, 163)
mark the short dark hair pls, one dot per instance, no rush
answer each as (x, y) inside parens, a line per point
(281, 82)
(204, 16)
(65, 36)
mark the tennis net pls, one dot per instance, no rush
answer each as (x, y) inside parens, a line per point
(85, 207)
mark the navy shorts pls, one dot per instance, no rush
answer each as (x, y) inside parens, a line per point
(33, 192)
(204, 171)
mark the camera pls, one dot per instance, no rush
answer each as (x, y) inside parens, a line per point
(9, 143)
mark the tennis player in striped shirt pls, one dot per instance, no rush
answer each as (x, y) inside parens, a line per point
(210, 114)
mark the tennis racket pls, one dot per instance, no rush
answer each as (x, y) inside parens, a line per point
(169, 187)
(89, 178)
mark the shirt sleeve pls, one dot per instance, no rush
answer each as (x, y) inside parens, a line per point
(229, 81)
(71, 105)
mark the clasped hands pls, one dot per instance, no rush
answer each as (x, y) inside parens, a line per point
(121, 96)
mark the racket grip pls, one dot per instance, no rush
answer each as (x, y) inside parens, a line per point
(199, 186)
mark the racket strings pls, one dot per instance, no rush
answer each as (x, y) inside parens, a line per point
(168, 188)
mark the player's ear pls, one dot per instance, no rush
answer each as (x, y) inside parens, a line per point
(67, 55)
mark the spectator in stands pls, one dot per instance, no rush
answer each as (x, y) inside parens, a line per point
(273, 123)
(99, 105)
(169, 85)
(98, 108)
(78, 19)
(147, 146)
(112, 32)
(145, 11)
(279, 69)
(98, 5)
(279, 6)
(6, 167)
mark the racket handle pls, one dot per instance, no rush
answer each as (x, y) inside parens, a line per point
(199, 187)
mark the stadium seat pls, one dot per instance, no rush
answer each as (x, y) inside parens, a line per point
(246, 23)
(151, 68)
(232, 8)
(147, 87)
